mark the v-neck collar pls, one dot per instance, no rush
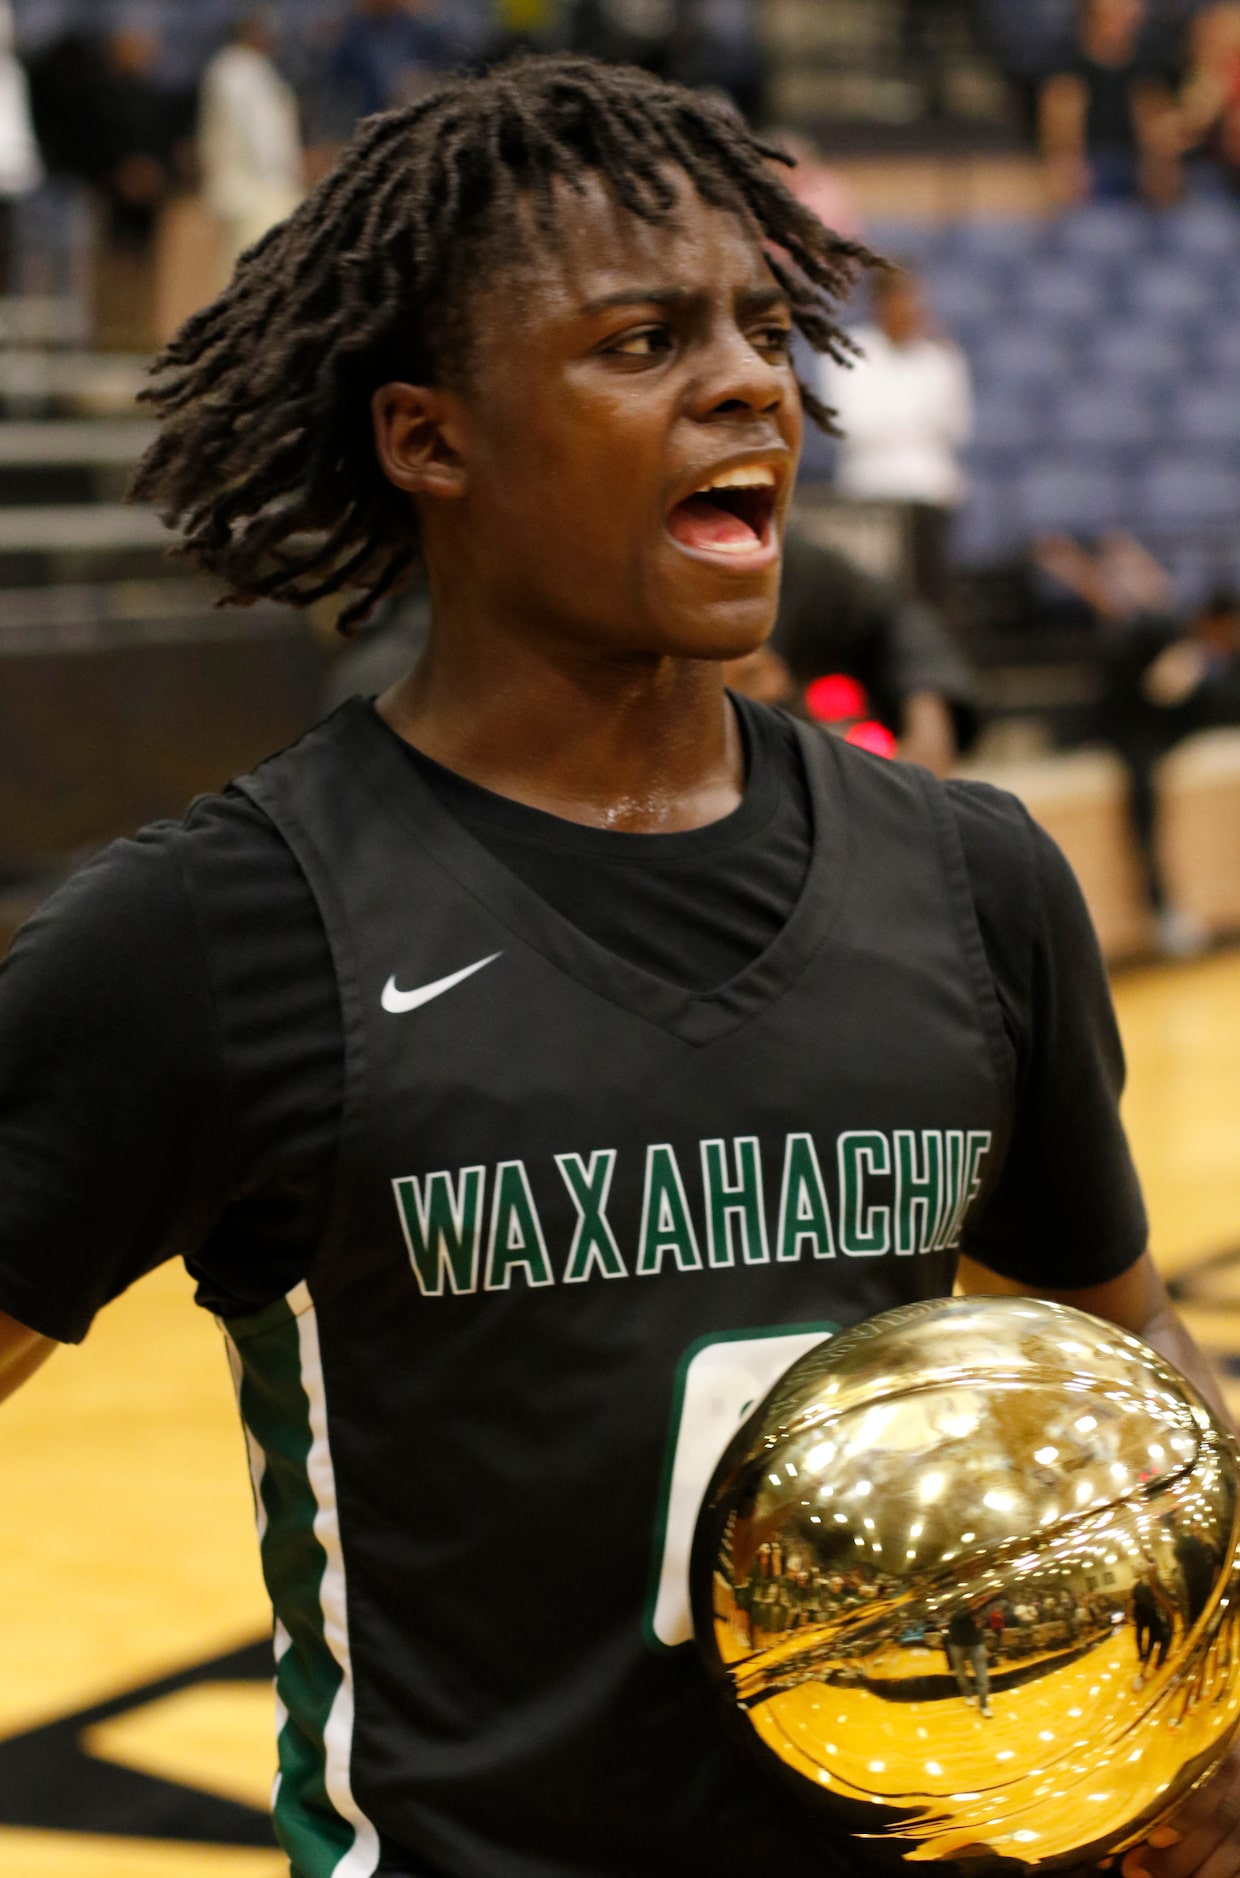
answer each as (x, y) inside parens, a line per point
(696, 1017)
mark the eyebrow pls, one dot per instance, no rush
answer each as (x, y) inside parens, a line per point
(750, 300)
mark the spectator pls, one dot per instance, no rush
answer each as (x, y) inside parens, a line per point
(906, 411)
(1163, 681)
(64, 97)
(718, 48)
(925, 30)
(1109, 125)
(837, 629)
(390, 52)
(139, 126)
(1212, 94)
(249, 139)
(21, 169)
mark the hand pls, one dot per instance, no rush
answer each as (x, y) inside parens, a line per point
(1175, 674)
(1202, 1840)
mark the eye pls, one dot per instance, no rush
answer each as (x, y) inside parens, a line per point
(647, 342)
(776, 339)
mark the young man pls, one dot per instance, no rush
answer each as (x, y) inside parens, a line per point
(511, 1040)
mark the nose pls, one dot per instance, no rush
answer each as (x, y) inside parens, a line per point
(737, 380)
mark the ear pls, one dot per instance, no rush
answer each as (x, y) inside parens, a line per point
(418, 434)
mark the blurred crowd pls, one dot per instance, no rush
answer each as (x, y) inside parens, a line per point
(1144, 104)
(1035, 377)
(109, 112)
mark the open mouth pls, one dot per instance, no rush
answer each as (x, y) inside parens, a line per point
(731, 515)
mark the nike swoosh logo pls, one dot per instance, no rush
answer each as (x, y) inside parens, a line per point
(398, 1002)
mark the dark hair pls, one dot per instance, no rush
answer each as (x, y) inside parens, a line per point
(265, 458)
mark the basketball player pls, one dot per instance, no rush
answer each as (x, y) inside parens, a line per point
(517, 1044)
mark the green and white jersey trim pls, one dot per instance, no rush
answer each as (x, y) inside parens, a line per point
(277, 1368)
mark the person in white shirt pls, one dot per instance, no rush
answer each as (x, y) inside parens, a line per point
(906, 412)
(21, 169)
(249, 138)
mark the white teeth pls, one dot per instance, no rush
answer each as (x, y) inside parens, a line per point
(745, 476)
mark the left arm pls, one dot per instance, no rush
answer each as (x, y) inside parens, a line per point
(1137, 1301)
(1203, 1838)
(1066, 1206)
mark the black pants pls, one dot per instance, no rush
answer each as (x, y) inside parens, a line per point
(930, 567)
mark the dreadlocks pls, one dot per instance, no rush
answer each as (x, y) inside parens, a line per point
(265, 459)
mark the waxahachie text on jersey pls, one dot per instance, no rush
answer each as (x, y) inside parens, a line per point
(901, 1193)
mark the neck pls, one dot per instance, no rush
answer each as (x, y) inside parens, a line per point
(633, 742)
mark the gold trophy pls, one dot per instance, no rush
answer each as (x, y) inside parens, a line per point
(969, 1575)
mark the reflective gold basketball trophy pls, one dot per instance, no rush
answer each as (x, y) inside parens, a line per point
(970, 1576)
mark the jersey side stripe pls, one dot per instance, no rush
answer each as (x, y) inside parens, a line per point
(284, 1412)
(257, 1459)
(363, 1855)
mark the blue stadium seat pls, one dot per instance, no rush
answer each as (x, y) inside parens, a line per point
(986, 528)
(1201, 231)
(1106, 421)
(1022, 358)
(1064, 299)
(1059, 495)
(1193, 573)
(1206, 416)
(1104, 231)
(991, 244)
(1010, 430)
(917, 244)
(1186, 494)
(1173, 295)
(1137, 355)
(966, 304)
(1218, 351)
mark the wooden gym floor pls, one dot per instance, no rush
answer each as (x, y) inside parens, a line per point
(135, 1710)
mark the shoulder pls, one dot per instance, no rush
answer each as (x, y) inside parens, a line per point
(1007, 853)
(1009, 858)
(137, 916)
(1028, 904)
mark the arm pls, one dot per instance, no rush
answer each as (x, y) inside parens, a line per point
(1161, 135)
(928, 732)
(1202, 1840)
(1137, 1301)
(1061, 122)
(22, 1351)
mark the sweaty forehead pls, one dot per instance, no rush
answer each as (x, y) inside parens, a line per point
(601, 249)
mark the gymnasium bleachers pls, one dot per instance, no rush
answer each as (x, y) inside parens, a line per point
(1105, 351)
(123, 689)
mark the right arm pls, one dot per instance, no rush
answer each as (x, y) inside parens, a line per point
(22, 1351)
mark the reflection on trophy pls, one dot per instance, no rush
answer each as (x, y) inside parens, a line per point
(970, 1575)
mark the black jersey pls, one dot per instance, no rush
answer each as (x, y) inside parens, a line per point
(582, 1218)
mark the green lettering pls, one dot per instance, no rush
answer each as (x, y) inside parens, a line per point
(971, 1155)
(803, 1212)
(919, 1191)
(738, 1202)
(865, 1231)
(516, 1231)
(593, 1240)
(442, 1226)
(666, 1225)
